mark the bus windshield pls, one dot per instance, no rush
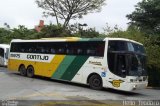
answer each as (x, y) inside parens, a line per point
(126, 58)
(138, 65)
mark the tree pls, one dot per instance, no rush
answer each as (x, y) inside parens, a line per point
(21, 33)
(3, 35)
(147, 16)
(54, 31)
(69, 9)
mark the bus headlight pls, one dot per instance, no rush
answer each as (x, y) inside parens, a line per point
(134, 86)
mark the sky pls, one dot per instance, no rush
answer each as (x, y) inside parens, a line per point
(26, 12)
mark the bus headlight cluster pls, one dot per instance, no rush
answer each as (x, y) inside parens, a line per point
(134, 80)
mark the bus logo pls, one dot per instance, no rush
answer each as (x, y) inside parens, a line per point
(116, 83)
(95, 63)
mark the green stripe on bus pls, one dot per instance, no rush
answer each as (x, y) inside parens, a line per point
(63, 67)
(85, 39)
(74, 67)
(96, 39)
(91, 39)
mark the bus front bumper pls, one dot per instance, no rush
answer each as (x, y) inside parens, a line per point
(130, 86)
(134, 86)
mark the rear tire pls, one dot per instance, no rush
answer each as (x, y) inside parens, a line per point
(30, 71)
(95, 82)
(22, 70)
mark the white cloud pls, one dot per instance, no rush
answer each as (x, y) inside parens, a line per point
(26, 12)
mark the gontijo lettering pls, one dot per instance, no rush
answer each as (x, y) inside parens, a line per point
(37, 57)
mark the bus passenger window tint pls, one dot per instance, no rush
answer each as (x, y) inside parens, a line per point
(86, 48)
(53, 51)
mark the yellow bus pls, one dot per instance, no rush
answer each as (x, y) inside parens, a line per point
(110, 63)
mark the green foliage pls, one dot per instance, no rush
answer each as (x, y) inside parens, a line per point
(48, 31)
(21, 32)
(147, 16)
(80, 30)
(4, 33)
(89, 33)
(53, 31)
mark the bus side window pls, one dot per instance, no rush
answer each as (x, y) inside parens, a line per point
(72, 48)
(30, 49)
(91, 52)
(79, 51)
(42, 50)
(61, 50)
(22, 50)
(70, 51)
(100, 50)
(53, 51)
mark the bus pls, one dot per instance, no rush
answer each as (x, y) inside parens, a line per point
(115, 63)
(4, 50)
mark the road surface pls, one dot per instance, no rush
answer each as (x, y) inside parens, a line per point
(16, 87)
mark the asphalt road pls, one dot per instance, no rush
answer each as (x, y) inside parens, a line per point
(16, 87)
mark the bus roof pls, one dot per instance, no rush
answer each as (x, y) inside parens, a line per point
(124, 39)
(63, 39)
(4, 46)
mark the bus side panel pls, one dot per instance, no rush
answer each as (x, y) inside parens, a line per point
(63, 67)
(47, 69)
(69, 67)
(74, 67)
(92, 65)
(40, 68)
(13, 64)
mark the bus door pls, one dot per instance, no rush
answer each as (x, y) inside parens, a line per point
(118, 64)
(1, 56)
(121, 61)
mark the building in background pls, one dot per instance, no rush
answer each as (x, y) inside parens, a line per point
(40, 26)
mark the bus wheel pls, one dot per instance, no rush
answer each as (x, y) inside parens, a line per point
(95, 82)
(30, 71)
(22, 70)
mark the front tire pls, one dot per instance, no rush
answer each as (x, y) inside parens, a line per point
(22, 70)
(95, 82)
(30, 71)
